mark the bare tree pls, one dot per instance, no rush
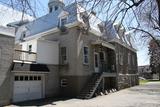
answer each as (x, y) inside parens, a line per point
(154, 51)
(143, 16)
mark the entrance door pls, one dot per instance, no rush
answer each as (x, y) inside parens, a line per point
(96, 62)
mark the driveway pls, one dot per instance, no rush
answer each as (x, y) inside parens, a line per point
(147, 95)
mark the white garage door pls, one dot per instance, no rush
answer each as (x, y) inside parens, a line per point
(27, 87)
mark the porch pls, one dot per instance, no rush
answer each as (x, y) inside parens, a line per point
(104, 76)
(104, 58)
(23, 56)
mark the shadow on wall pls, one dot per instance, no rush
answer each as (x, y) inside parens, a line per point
(41, 102)
(6, 88)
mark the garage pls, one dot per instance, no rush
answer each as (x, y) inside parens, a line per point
(27, 87)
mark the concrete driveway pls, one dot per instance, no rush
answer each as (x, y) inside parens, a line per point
(147, 95)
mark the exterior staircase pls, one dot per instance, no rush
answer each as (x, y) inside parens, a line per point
(88, 91)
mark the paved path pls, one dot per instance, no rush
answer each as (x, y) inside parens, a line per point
(147, 95)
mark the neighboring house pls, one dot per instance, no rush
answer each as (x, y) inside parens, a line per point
(7, 41)
(6, 58)
(70, 53)
(145, 72)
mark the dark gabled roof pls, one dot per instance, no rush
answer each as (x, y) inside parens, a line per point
(30, 67)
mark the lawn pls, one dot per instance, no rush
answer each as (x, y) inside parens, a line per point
(146, 81)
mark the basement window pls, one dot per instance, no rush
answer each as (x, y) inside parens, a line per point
(64, 83)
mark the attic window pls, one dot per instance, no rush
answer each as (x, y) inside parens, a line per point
(63, 21)
(56, 8)
(24, 34)
(50, 9)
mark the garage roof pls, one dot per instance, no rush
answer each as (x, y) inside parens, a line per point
(23, 67)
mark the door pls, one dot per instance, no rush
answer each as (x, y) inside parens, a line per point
(96, 62)
(27, 88)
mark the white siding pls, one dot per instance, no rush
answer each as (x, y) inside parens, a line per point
(47, 52)
(25, 45)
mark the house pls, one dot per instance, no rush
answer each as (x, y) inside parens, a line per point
(71, 53)
(6, 58)
(145, 72)
(7, 41)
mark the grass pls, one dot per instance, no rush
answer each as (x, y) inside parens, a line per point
(141, 82)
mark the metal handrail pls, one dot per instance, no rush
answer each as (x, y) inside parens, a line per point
(23, 55)
(25, 51)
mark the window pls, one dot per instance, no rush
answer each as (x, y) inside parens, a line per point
(133, 60)
(16, 78)
(56, 8)
(30, 48)
(30, 78)
(64, 83)
(21, 78)
(63, 21)
(24, 34)
(120, 58)
(26, 78)
(129, 59)
(63, 55)
(50, 9)
(102, 56)
(96, 60)
(85, 55)
(35, 78)
(39, 77)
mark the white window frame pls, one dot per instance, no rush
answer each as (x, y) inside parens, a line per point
(85, 56)
(62, 19)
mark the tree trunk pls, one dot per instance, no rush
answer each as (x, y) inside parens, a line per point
(158, 3)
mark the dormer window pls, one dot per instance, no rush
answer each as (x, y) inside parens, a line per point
(50, 9)
(24, 34)
(63, 21)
